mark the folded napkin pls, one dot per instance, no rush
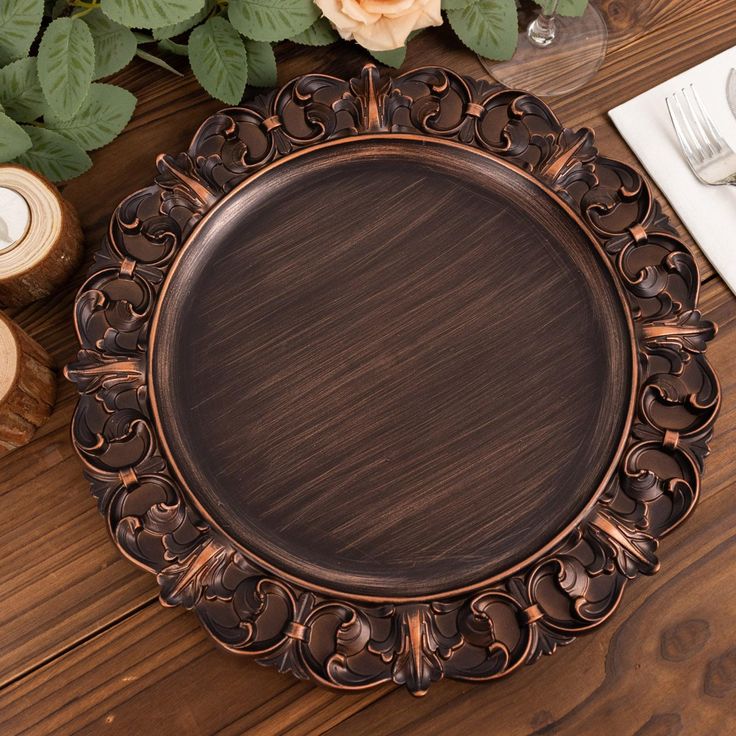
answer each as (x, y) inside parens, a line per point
(709, 213)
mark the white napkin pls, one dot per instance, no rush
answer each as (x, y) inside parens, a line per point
(709, 213)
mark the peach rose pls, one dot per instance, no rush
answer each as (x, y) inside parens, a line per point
(380, 25)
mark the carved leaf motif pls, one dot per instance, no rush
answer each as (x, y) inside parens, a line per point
(567, 159)
(182, 187)
(686, 331)
(632, 550)
(416, 648)
(108, 377)
(544, 641)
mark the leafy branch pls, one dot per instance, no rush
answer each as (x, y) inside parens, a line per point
(53, 109)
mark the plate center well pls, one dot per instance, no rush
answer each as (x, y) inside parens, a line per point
(391, 367)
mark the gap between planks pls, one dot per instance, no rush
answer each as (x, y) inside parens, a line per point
(69, 648)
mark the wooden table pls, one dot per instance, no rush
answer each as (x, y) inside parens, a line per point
(85, 646)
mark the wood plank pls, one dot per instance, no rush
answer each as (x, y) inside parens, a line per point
(663, 665)
(146, 675)
(61, 577)
(148, 671)
(62, 581)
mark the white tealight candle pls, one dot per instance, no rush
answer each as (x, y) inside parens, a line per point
(15, 218)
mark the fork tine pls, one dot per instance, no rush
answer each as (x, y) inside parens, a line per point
(692, 117)
(708, 121)
(699, 123)
(683, 114)
(683, 134)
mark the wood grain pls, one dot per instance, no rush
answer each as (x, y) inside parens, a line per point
(671, 626)
(667, 669)
(27, 386)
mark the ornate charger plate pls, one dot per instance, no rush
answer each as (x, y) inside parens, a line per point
(393, 380)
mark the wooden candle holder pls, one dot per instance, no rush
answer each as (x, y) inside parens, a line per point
(27, 386)
(49, 250)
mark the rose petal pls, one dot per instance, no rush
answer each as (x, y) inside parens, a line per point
(386, 34)
(380, 25)
(355, 9)
(388, 7)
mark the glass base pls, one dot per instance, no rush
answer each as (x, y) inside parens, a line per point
(567, 64)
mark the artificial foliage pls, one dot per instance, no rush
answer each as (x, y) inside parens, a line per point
(54, 109)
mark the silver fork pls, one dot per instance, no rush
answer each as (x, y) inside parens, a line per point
(712, 160)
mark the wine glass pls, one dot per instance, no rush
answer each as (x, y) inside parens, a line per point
(556, 54)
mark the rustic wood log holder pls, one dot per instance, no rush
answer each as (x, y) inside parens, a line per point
(51, 248)
(27, 386)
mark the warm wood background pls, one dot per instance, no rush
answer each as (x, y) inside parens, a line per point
(86, 648)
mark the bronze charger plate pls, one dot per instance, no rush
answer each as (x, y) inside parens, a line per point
(393, 380)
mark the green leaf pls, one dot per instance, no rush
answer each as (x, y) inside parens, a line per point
(177, 28)
(114, 44)
(104, 114)
(13, 139)
(141, 54)
(488, 27)
(272, 20)
(219, 60)
(320, 33)
(455, 4)
(572, 8)
(261, 64)
(53, 155)
(66, 64)
(393, 58)
(150, 13)
(20, 91)
(167, 45)
(20, 21)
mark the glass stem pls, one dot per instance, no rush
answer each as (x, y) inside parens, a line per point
(543, 29)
